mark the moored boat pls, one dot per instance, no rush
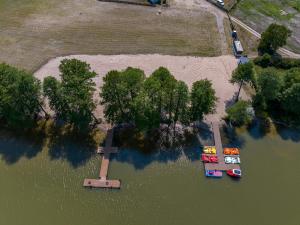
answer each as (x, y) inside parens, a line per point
(232, 160)
(213, 173)
(231, 151)
(234, 173)
(209, 158)
(210, 150)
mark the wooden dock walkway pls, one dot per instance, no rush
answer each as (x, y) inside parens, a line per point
(221, 165)
(98, 183)
(102, 181)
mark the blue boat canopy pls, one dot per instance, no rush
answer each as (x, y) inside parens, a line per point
(153, 2)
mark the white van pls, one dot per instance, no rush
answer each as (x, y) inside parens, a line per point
(220, 2)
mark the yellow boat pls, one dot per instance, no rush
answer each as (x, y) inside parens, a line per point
(210, 150)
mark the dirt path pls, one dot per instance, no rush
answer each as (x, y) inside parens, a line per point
(186, 68)
(283, 51)
(220, 15)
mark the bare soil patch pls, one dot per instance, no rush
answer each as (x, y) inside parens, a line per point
(32, 31)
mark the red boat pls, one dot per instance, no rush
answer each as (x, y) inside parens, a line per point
(209, 158)
(234, 173)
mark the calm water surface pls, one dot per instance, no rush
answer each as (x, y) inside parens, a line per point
(40, 187)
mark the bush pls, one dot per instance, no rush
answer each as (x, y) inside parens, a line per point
(272, 38)
(291, 100)
(269, 84)
(286, 63)
(263, 61)
(241, 113)
(276, 61)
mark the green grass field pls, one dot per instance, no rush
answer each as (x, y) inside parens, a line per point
(34, 31)
(260, 13)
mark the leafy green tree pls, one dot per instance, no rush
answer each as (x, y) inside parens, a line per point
(72, 97)
(166, 84)
(118, 94)
(291, 100)
(240, 113)
(181, 101)
(291, 77)
(160, 87)
(264, 61)
(270, 84)
(274, 37)
(203, 99)
(112, 93)
(244, 74)
(259, 103)
(146, 116)
(20, 97)
(133, 79)
(129, 97)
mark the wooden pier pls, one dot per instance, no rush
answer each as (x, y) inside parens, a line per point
(98, 183)
(102, 181)
(221, 165)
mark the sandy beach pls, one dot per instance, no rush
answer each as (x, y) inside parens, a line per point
(186, 68)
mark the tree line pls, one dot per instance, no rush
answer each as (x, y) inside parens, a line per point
(127, 96)
(274, 79)
(277, 93)
(130, 97)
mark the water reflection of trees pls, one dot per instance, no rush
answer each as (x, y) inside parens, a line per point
(61, 143)
(14, 146)
(140, 149)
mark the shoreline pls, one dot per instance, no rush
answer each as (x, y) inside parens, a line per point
(187, 68)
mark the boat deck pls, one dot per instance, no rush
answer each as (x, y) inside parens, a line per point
(101, 183)
(221, 165)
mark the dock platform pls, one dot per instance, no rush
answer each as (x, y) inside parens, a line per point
(221, 165)
(102, 181)
(99, 183)
(100, 150)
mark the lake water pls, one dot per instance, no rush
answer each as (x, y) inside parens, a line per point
(40, 187)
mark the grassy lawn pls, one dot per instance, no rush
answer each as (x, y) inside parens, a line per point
(260, 13)
(33, 31)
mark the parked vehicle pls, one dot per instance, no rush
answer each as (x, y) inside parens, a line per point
(238, 48)
(220, 2)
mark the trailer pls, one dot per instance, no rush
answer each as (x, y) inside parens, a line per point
(238, 48)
